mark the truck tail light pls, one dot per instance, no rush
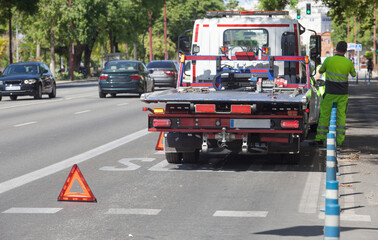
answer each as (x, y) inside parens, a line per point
(241, 109)
(103, 76)
(159, 111)
(161, 123)
(205, 108)
(290, 124)
(169, 73)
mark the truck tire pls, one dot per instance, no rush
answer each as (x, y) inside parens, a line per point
(190, 157)
(174, 157)
(291, 159)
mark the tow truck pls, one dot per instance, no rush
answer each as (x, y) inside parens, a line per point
(243, 86)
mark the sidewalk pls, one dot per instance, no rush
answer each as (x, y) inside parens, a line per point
(359, 163)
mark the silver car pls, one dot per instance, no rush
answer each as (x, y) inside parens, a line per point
(164, 72)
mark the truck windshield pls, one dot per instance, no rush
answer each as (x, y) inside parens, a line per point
(245, 39)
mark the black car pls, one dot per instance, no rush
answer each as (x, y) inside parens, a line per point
(165, 72)
(27, 79)
(123, 76)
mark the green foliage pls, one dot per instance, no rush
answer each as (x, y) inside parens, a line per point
(368, 55)
(64, 76)
(272, 5)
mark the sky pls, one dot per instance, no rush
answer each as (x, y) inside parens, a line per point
(247, 4)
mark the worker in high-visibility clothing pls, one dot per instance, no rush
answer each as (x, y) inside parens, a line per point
(321, 76)
(337, 69)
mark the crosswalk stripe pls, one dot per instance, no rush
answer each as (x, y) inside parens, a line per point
(261, 214)
(33, 210)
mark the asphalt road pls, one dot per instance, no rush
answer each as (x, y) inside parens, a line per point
(139, 195)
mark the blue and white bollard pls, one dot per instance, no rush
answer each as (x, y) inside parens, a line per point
(332, 222)
(331, 158)
(332, 192)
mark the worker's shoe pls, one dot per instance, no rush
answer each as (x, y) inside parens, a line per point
(317, 143)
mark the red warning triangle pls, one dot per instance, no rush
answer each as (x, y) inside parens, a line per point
(159, 144)
(67, 195)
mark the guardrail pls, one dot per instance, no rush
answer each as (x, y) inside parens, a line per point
(332, 207)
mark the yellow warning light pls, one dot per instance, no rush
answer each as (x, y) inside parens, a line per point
(306, 59)
(158, 110)
(182, 59)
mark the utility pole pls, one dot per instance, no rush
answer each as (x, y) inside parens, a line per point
(71, 49)
(375, 36)
(165, 31)
(150, 29)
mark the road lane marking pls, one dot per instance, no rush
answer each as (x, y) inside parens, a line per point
(133, 211)
(122, 104)
(130, 166)
(81, 112)
(261, 214)
(33, 210)
(67, 163)
(310, 195)
(350, 217)
(24, 124)
(29, 104)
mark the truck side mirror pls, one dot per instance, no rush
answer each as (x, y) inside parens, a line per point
(315, 48)
(184, 44)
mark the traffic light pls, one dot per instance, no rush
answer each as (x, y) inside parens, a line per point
(298, 14)
(308, 8)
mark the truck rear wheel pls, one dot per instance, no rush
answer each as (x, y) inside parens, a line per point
(291, 158)
(190, 157)
(174, 157)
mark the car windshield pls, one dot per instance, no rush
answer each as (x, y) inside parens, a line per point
(159, 65)
(21, 69)
(121, 66)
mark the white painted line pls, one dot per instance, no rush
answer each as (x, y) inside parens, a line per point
(122, 104)
(33, 210)
(33, 103)
(81, 112)
(310, 195)
(160, 152)
(260, 214)
(133, 211)
(350, 217)
(30, 177)
(24, 124)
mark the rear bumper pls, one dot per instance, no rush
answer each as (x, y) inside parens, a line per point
(129, 87)
(164, 82)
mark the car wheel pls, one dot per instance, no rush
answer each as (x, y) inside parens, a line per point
(38, 93)
(13, 97)
(1, 97)
(101, 94)
(53, 92)
(190, 157)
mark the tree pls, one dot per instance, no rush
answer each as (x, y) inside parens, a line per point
(272, 5)
(6, 12)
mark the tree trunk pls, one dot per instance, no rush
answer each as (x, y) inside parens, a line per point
(38, 52)
(10, 36)
(52, 51)
(111, 40)
(77, 56)
(127, 52)
(87, 58)
(135, 50)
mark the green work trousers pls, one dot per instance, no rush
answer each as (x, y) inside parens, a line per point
(325, 115)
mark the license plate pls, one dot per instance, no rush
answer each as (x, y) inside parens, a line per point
(12, 88)
(250, 123)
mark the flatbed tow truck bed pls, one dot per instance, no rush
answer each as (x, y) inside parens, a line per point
(205, 95)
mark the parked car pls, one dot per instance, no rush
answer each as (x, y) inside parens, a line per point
(122, 76)
(165, 72)
(27, 79)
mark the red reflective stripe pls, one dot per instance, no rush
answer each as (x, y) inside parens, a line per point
(196, 33)
(197, 84)
(297, 48)
(273, 139)
(288, 58)
(200, 57)
(241, 109)
(206, 25)
(205, 108)
(253, 25)
(259, 70)
(194, 72)
(202, 130)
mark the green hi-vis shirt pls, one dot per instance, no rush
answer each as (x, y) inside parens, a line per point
(337, 70)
